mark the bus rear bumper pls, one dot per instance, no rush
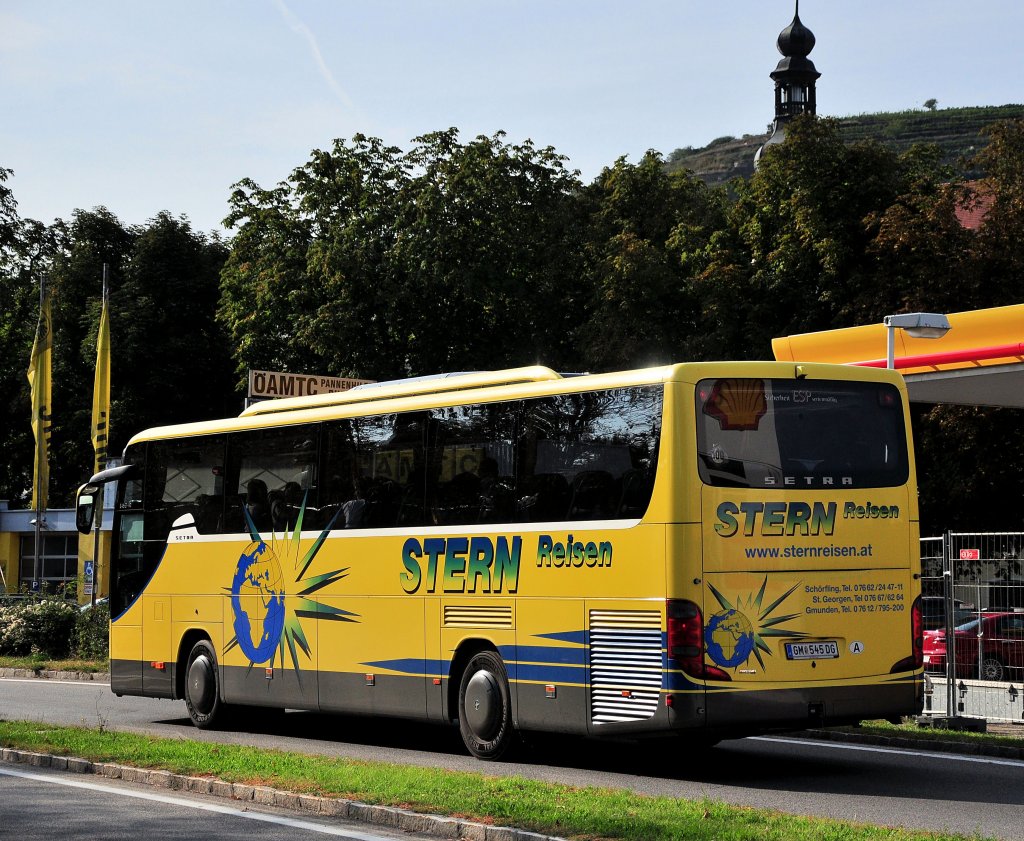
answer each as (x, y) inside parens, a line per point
(810, 706)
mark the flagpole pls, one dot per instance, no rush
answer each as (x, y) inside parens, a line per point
(41, 453)
(35, 564)
(101, 460)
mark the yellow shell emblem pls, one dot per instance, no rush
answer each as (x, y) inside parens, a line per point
(737, 404)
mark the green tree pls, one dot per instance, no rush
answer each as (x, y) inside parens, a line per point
(644, 224)
(27, 251)
(77, 251)
(965, 449)
(264, 274)
(793, 252)
(999, 247)
(488, 245)
(9, 219)
(309, 284)
(969, 462)
(171, 360)
(19, 300)
(920, 257)
(373, 262)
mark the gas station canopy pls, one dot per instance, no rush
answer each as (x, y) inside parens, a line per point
(979, 362)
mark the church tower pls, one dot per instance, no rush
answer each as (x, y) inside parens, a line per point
(794, 79)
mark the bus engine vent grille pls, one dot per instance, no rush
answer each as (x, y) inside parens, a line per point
(625, 665)
(478, 616)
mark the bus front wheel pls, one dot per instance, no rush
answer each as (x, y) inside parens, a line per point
(485, 708)
(202, 692)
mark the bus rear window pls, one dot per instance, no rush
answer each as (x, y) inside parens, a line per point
(754, 433)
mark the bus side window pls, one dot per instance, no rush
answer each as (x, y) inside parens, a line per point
(345, 488)
(592, 495)
(640, 411)
(272, 476)
(542, 490)
(184, 478)
(589, 456)
(390, 454)
(471, 455)
(636, 486)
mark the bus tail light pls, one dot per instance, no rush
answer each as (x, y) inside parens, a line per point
(685, 640)
(916, 659)
(917, 632)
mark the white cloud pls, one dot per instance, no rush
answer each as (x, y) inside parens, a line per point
(299, 27)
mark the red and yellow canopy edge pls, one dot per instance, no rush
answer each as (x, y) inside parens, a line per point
(978, 338)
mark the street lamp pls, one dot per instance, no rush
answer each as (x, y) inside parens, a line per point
(920, 325)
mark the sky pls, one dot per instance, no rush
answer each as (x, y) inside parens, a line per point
(148, 106)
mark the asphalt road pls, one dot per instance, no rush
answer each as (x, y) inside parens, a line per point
(39, 804)
(885, 786)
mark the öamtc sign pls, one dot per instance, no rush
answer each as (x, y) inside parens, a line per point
(271, 384)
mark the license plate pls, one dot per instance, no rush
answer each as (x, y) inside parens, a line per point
(821, 650)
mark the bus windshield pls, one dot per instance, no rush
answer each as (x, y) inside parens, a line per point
(789, 434)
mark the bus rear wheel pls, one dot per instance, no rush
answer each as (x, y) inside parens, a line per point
(485, 707)
(202, 689)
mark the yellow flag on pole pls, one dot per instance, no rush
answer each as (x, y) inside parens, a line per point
(101, 384)
(39, 370)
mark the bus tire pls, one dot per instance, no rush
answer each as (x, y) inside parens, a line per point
(202, 688)
(485, 707)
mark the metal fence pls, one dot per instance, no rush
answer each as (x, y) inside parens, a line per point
(973, 595)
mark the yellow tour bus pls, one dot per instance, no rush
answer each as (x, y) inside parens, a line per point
(706, 550)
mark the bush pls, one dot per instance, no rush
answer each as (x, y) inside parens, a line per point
(721, 141)
(13, 640)
(91, 635)
(37, 627)
(49, 624)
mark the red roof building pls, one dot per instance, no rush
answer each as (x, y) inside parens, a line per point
(973, 216)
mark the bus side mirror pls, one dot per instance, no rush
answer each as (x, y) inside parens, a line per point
(85, 511)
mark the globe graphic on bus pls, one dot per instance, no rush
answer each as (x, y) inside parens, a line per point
(257, 600)
(729, 638)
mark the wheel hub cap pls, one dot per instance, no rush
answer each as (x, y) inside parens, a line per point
(201, 685)
(483, 705)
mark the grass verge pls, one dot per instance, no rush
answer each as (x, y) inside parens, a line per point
(40, 663)
(910, 729)
(578, 813)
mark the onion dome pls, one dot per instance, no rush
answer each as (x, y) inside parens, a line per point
(796, 40)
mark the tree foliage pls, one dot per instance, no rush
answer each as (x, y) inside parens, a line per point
(459, 255)
(170, 359)
(643, 225)
(19, 244)
(170, 288)
(1000, 246)
(382, 263)
(791, 257)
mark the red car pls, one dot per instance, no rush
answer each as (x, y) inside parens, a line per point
(989, 646)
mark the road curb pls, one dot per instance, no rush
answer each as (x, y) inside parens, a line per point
(389, 816)
(49, 674)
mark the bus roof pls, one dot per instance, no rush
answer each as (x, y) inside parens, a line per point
(490, 387)
(432, 384)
